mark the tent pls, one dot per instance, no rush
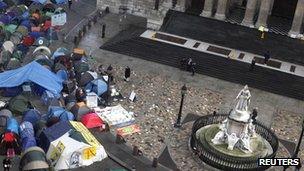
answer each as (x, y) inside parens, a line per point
(76, 145)
(12, 64)
(5, 114)
(39, 127)
(60, 52)
(91, 120)
(62, 74)
(46, 62)
(9, 46)
(87, 77)
(12, 91)
(51, 34)
(33, 72)
(18, 55)
(12, 126)
(26, 23)
(23, 30)
(10, 141)
(33, 159)
(61, 113)
(80, 109)
(28, 40)
(32, 116)
(42, 50)
(5, 56)
(81, 67)
(27, 135)
(5, 18)
(40, 1)
(3, 5)
(36, 34)
(59, 1)
(16, 37)
(97, 86)
(24, 49)
(47, 97)
(49, 8)
(11, 28)
(18, 104)
(41, 41)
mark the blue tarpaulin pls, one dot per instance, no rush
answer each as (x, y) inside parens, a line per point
(59, 1)
(33, 72)
(97, 86)
(32, 116)
(60, 52)
(40, 1)
(3, 5)
(61, 113)
(12, 125)
(62, 74)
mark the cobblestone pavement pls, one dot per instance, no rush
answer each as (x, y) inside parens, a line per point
(158, 91)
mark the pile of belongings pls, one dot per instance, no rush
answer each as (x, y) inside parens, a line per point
(69, 144)
(115, 116)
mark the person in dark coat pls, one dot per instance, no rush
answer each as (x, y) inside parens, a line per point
(127, 74)
(254, 115)
(266, 57)
(7, 164)
(192, 68)
(110, 73)
(70, 4)
(252, 64)
(80, 95)
(183, 64)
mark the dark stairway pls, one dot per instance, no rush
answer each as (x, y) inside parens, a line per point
(196, 7)
(211, 65)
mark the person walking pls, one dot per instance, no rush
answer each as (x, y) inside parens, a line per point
(70, 4)
(254, 115)
(192, 65)
(127, 74)
(266, 57)
(252, 64)
(7, 164)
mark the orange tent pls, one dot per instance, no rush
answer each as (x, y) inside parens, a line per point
(91, 120)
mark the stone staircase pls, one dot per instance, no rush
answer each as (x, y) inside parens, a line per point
(211, 65)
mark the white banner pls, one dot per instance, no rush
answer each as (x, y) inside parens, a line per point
(59, 19)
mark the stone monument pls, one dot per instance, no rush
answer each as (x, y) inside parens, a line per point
(237, 129)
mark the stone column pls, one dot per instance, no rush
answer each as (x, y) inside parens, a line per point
(250, 12)
(208, 7)
(263, 14)
(297, 19)
(221, 9)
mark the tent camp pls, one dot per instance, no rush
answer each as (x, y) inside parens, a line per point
(33, 72)
(74, 143)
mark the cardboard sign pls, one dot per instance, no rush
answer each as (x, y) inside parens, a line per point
(85, 133)
(132, 96)
(56, 153)
(59, 19)
(128, 130)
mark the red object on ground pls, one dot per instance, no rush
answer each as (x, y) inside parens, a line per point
(28, 40)
(91, 120)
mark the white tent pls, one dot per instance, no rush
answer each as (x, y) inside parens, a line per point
(67, 153)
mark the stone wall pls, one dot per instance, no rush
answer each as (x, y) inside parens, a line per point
(143, 8)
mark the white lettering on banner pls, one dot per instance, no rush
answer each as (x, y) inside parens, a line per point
(59, 19)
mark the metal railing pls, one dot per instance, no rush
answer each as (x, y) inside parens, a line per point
(223, 161)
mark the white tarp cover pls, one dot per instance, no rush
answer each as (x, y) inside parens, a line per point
(73, 154)
(116, 115)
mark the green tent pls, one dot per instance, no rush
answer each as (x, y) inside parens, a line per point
(18, 55)
(81, 67)
(5, 57)
(11, 28)
(13, 63)
(23, 30)
(18, 104)
(16, 37)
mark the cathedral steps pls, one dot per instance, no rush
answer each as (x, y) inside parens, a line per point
(212, 65)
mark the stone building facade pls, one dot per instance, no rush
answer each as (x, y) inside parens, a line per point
(256, 13)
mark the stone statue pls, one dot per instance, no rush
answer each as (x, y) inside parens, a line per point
(243, 99)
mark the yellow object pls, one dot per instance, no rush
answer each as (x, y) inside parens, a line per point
(79, 51)
(89, 153)
(261, 28)
(56, 153)
(85, 133)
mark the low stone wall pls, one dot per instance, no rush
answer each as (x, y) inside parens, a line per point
(142, 8)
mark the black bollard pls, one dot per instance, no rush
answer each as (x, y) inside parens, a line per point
(107, 10)
(155, 162)
(75, 40)
(103, 34)
(84, 29)
(135, 150)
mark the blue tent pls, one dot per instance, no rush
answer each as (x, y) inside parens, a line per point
(27, 135)
(26, 23)
(60, 52)
(62, 74)
(33, 72)
(52, 133)
(12, 125)
(59, 1)
(3, 5)
(36, 34)
(97, 86)
(40, 1)
(61, 113)
(32, 116)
